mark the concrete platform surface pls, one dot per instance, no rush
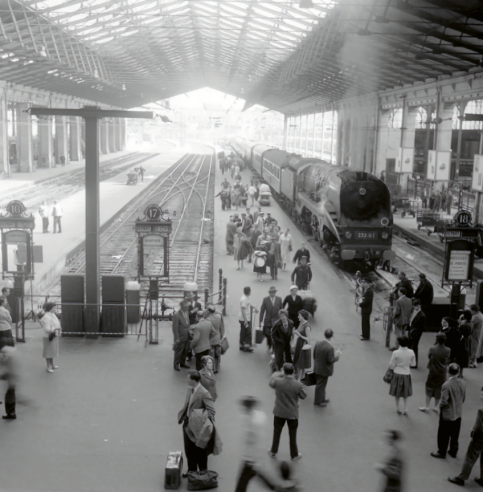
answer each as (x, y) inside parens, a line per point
(107, 418)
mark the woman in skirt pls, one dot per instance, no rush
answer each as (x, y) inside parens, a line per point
(401, 361)
(302, 336)
(51, 325)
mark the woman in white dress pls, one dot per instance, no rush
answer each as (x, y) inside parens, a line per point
(285, 247)
(51, 325)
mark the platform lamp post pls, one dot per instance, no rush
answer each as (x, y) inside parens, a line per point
(91, 116)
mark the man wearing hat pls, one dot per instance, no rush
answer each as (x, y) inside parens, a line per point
(424, 292)
(271, 305)
(181, 327)
(302, 274)
(365, 304)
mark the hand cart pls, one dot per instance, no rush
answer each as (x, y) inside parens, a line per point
(427, 218)
(409, 206)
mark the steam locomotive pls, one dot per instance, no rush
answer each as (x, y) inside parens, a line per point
(348, 212)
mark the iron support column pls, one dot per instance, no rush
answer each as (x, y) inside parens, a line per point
(93, 269)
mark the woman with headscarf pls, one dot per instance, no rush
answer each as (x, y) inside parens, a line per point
(285, 248)
(237, 244)
(293, 303)
(207, 374)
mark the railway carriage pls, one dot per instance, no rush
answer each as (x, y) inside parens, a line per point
(274, 161)
(258, 153)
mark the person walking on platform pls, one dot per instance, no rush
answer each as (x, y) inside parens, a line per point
(57, 214)
(285, 248)
(244, 317)
(218, 323)
(141, 172)
(197, 398)
(203, 332)
(402, 314)
(302, 335)
(393, 467)
(366, 309)
(438, 360)
(230, 236)
(252, 191)
(6, 336)
(44, 213)
(257, 213)
(273, 258)
(303, 251)
(477, 322)
(437, 201)
(475, 450)
(424, 198)
(51, 325)
(282, 332)
(453, 337)
(10, 374)
(324, 359)
(181, 335)
(269, 310)
(288, 391)
(293, 303)
(302, 274)
(466, 329)
(416, 327)
(207, 374)
(453, 394)
(237, 244)
(424, 292)
(401, 385)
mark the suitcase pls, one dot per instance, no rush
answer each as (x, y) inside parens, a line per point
(205, 481)
(173, 470)
(259, 336)
(310, 379)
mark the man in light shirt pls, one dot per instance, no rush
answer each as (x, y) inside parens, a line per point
(57, 214)
(244, 317)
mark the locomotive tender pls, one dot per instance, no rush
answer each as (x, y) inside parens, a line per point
(348, 212)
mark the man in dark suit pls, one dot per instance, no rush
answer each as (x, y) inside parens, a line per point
(303, 251)
(324, 358)
(197, 398)
(404, 283)
(282, 332)
(402, 314)
(302, 274)
(271, 305)
(194, 307)
(288, 391)
(424, 292)
(203, 333)
(416, 327)
(366, 309)
(181, 326)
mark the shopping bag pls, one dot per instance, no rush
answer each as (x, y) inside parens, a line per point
(259, 336)
(205, 481)
(224, 345)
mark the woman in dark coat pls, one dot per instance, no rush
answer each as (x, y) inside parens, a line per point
(453, 338)
(281, 333)
(466, 329)
(293, 304)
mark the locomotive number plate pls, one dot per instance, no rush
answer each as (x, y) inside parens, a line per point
(366, 235)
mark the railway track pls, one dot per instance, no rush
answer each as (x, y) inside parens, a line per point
(185, 194)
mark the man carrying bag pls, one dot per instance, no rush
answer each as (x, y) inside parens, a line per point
(271, 305)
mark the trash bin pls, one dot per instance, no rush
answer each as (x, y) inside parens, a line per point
(133, 297)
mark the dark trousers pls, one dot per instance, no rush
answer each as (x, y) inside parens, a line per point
(216, 353)
(197, 457)
(366, 325)
(320, 386)
(198, 357)
(414, 344)
(267, 332)
(273, 271)
(475, 449)
(448, 433)
(279, 351)
(181, 351)
(45, 224)
(57, 223)
(245, 335)
(278, 424)
(10, 401)
(246, 474)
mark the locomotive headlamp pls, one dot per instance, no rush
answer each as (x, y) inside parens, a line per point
(362, 191)
(385, 235)
(348, 235)
(384, 221)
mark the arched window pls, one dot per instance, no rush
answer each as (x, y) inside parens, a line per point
(395, 119)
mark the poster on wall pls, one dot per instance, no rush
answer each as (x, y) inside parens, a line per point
(398, 166)
(443, 165)
(407, 160)
(431, 172)
(477, 182)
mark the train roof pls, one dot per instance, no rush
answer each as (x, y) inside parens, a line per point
(296, 161)
(277, 157)
(261, 148)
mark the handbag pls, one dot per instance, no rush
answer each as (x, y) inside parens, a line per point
(224, 345)
(309, 379)
(205, 481)
(388, 376)
(51, 336)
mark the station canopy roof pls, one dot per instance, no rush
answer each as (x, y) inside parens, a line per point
(287, 55)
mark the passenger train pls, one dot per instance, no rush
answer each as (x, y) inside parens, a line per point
(348, 212)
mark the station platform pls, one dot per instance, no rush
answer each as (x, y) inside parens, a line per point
(115, 194)
(107, 418)
(408, 226)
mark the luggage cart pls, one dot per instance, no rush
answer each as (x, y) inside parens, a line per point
(409, 206)
(427, 218)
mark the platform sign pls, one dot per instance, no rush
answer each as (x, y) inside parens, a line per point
(459, 265)
(405, 160)
(16, 252)
(477, 179)
(458, 262)
(154, 255)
